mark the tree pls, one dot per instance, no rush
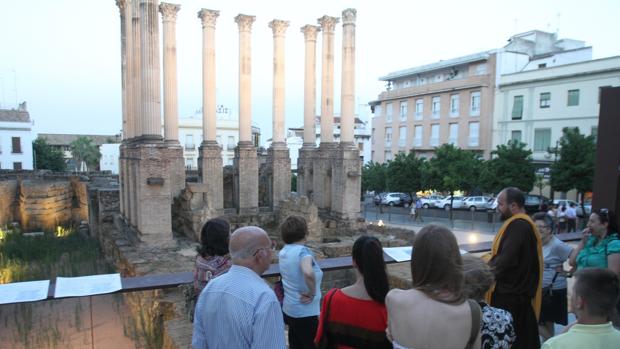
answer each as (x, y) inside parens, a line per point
(406, 173)
(83, 150)
(46, 157)
(511, 166)
(454, 169)
(575, 166)
(373, 177)
(540, 183)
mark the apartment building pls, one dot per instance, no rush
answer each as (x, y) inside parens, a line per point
(533, 106)
(452, 101)
(424, 107)
(16, 138)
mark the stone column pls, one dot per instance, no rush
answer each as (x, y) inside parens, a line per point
(328, 25)
(278, 156)
(171, 109)
(347, 168)
(210, 164)
(324, 158)
(306, 153)
(125, 13)
(347, 95)
(149, 61)
(246, 161)
(136, 73)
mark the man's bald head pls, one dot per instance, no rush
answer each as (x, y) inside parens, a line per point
(245, 241)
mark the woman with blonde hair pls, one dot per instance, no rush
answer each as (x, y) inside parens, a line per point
(434, 313)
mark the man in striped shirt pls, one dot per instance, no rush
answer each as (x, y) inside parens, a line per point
(238, 309)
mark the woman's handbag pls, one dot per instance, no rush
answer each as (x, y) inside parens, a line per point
(278, 289)
(547, 293)
(323, 342)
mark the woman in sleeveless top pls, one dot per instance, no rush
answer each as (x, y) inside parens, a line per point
(433, 314)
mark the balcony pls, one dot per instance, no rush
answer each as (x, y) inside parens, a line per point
(190, 147)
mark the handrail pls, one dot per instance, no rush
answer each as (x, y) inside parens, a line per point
(170, 280)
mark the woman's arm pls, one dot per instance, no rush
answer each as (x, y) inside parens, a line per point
(572, 259)
(309, 279)
(613, 263)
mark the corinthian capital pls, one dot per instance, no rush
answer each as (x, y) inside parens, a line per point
(245, 22)
(169, 11)
(348, 16)
(122, 4)
(328, 24)
(208, 17)
(278, 27)
(310, 32)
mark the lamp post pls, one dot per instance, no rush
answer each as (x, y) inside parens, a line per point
(555, 150)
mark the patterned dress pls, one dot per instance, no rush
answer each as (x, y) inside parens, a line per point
(497, 329)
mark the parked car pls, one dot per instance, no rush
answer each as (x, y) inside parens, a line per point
(475, 203)
(533, 203)
(445, 203)
(377, 199)
(563, 202)
(430, 201)
(396, 199)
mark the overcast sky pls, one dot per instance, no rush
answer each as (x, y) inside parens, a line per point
(63, 56)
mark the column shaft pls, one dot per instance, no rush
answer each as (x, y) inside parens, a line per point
(347, 95)
(327, 79)
(209, 118)
(136, 74)
(279, 29)
(245, 77)
(310, 33)
(171, 106)
(149, 59)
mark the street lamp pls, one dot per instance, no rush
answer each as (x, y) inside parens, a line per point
(555, 150)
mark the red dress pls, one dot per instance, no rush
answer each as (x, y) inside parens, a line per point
(352, 322)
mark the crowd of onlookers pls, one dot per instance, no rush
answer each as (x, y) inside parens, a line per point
(508, 298)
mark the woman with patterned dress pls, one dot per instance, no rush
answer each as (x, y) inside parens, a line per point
(355, 316)
(213, 258)
(497, 330)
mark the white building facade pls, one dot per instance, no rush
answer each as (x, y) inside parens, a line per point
(227, 135)
(533, 106)
(109, 157)
(16, 137)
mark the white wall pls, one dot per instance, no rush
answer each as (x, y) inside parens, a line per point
(24, 132)
(109, 157)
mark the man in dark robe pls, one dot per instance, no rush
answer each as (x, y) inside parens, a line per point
(516, 261)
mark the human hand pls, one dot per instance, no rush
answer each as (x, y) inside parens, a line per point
(585, 234)
(306, 298)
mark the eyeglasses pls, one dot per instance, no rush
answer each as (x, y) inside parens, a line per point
(541, 227)
(272, 247)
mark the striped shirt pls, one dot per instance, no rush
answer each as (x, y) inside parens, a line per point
(238, 310)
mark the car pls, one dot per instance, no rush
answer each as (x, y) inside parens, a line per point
(396, 199)
(475, 203)
(445, 203)
(430, 201)
(377, 199)
(533, 203)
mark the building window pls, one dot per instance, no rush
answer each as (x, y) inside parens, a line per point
(388, 155)
(454, 105)
(388, 136)
(388, 110)
(600, 89)
(372, 137)
(231, 143)
(545, 99)
(218, 139)
(436, 106)
(189, 163)
(403, 111)
(517, 108)
(419, 109)
(454, 134)
(16, 143)
(434, 142)
(417, 139)
(542, 65)
(474, 109)
(189, 142)
(378, 110)
(474, 132)
(17, 165)
(542, 139)
(402, 136)
(481, 69)
(372, 156)
(573, 98)
(515, 135)
(594, 132)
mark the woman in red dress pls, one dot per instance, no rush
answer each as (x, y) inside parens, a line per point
(355, 316)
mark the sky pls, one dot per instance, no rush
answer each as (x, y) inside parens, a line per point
(63, 56)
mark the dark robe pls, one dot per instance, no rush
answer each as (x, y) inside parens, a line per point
(516, 268)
